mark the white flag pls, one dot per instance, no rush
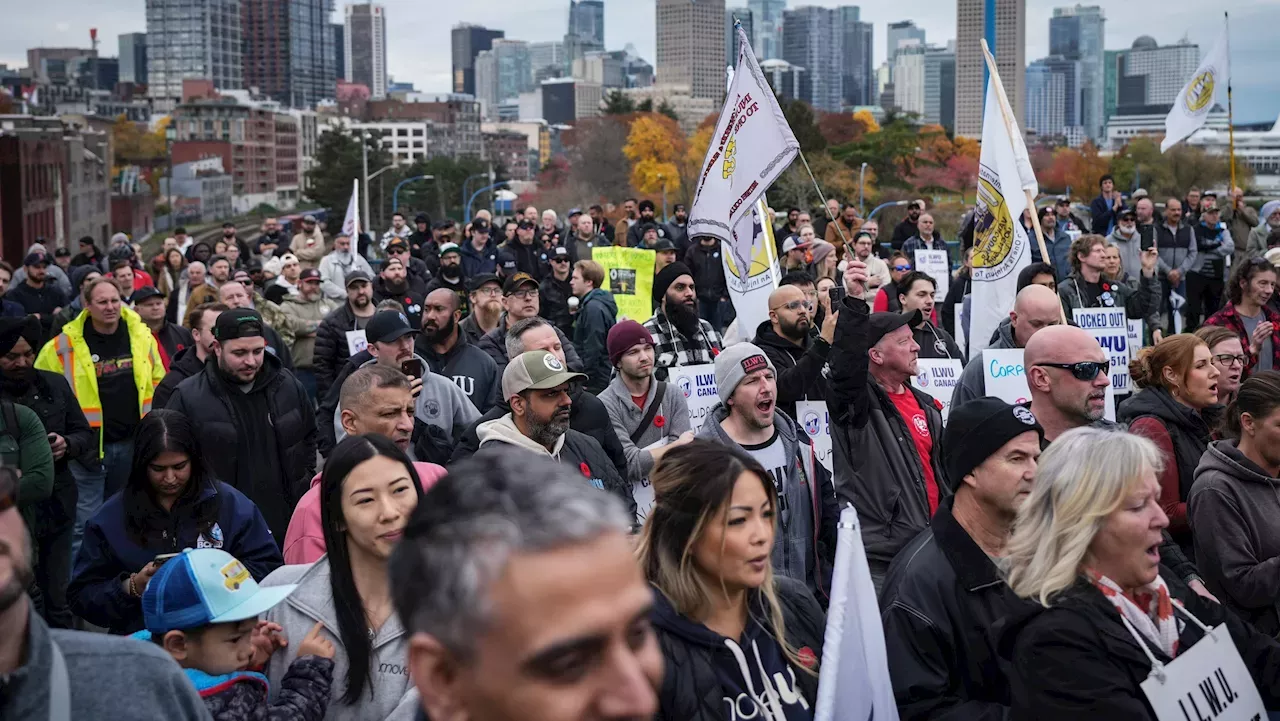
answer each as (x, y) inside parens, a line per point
(853, 681)
(751, 147)
(1195, 101)
(750, 268)
(1001, 246)
(351, 224)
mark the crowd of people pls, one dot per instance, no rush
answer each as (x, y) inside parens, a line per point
(435, 474)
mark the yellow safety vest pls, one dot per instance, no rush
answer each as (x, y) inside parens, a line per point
(69, 355)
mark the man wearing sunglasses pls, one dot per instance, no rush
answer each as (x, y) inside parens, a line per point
(556, 289)
(1067, 375)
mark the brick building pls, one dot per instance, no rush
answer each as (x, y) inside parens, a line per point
(33, 170)
(244, 136)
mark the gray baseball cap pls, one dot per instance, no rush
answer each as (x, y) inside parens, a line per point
(537, 370)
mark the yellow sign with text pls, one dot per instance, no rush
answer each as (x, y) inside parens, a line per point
(628, 275)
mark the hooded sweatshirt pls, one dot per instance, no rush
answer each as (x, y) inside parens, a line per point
(389, 694)
(750, 675)
(1240, 559)
(440, 403)
(333, 271)
(973, 382)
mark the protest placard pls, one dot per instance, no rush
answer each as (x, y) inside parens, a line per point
(628, 275)
(816, 421)
(1110, 327)
(698, 383)
(936, 265)
(938, 377)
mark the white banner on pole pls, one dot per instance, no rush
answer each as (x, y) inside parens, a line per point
(750, 270)
(1209, 83)
(816, 421)
(938, 377)
(351, 224)
(935, 264)
(853, 682)
(698, 383)
(751, 147)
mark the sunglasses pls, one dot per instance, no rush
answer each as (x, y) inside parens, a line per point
(8, 489)
(902, 268)
(1084, 370)
(559, 260)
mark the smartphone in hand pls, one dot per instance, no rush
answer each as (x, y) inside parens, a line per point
(163, 558)
(837, 293)
(413, 368)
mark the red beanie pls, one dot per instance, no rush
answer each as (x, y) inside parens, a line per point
(622, 336)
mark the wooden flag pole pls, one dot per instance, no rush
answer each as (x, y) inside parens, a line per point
(1231, 124)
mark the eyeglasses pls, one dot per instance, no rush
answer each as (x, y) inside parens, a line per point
(523, 294)
(8, 488)
(1228, 360)
(491, 291)
(1084, 370)
(902, 268)
(796, 305)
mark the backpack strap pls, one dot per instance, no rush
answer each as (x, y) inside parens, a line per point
(10, 414)
(659, 394)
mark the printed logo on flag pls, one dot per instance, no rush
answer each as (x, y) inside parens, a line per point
(686, 385)
(1200, 92)
(993, 227)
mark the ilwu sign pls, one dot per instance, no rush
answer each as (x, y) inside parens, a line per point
(698, 383)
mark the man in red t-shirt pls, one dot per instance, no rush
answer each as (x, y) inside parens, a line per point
(884, 431)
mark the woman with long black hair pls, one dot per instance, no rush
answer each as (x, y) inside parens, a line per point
(170, 502)
(368, 491)
(739, 641)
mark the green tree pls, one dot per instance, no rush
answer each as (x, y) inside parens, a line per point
(805, 126)
(666, 109)
(337, 163)
(645, 106)
(441, 195)
(890, 150)
(616, 103)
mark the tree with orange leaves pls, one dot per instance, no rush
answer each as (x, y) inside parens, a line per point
(657, 149)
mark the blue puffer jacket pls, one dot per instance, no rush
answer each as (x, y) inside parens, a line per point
(108, 554)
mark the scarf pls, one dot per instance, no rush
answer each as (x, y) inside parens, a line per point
(1150, 610)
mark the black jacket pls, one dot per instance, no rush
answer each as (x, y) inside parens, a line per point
(936, 343)
(181, 367)
(412, 298)
(692, 689)
(469, 367)
(799, 368)
(51, 397)
(877, 467)
(902, 232)
(1075, 660)
(940, 599)
(956, 292)
(331, 346)
(708, 272)
(495, 344)
(459, 289)
(553, 303)
(274, 484)
(587, 416)
(516, 257)
(174, 339)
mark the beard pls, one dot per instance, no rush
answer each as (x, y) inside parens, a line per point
(441, 334)
(797, 330)
(546, 433)
(22, 576)
(452, 272)
(18, 382)
(683, 317)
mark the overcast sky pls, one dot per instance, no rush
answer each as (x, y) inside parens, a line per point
(418, 32)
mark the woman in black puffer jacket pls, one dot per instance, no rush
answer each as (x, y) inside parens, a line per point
(730, 631)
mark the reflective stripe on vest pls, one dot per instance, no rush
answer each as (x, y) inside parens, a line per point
(67, 356)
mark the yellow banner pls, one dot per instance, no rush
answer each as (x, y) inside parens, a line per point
(628, 274)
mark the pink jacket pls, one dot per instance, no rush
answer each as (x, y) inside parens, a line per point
(304, 541)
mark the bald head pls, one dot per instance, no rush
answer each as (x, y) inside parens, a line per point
(1062, 344)
(1069, 397)
(789, 314)
(783, 295)
(1035, 307)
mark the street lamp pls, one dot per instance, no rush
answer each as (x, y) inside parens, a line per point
(170, 135)
(395, 194)
(861, 174)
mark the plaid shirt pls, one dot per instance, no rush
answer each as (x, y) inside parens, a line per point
(670, 349)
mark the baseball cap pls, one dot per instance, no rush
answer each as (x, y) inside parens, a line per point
(514, 282)
(355, 275)
(536, 369)
(386, 326)
(662, 244)
(480, 226)
(238, 323)
(61, 253)
(449, 248)
(480, 279)
(144, 293)
(1127, 214)
(242, 276)
(560, 252)
(36, 259)
(204, 586)
(793, 243)
(309, 274)
(883, 324)
(525, 224)
(1062, 200)
(1210, 208)
(575, 211)
(399, 244)
(308, 218)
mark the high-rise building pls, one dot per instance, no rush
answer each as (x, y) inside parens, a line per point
(288, 50)
(856, 44)
(900, 34)
(744, 16)
(1076, 33)
(365, 48)
(468, 41)
(586, 20)
(811, 38)
(908, 76)
(1149, 76)
(766, 25)
(940, 86)
(1046, 100)
(339, 50)
(502, 72)
(133, 58)
(785, 79)
(684, 55)
(1003, 24)
(193, 39)
(547, 59)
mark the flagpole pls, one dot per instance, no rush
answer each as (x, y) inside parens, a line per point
(823, 198)
(1008, 125)
(1231, 124)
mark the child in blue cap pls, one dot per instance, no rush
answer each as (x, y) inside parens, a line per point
(202, 606)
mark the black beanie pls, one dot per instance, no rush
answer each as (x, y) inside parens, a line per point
(11, 329)
(665, 278)
(978, 429)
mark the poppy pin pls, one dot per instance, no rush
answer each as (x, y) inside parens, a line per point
(586, 471)
(1106, 287)
(659, 421)
(807, 657)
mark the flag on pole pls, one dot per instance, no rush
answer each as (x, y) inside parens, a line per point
(853, 681)
(1001, 246)
(351, 224)
(1195, 101)
(750, 268)
(751, 147)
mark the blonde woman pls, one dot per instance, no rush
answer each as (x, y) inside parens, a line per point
(1085, 549)
(738, 641)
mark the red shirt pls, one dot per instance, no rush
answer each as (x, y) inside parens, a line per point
(918, 423)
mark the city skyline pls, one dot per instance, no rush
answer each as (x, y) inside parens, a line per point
(426, 61)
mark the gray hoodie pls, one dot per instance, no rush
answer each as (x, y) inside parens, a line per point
(626, 416)
(1240, 556)
(441, 403)
(389, 695)
(973, 382)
